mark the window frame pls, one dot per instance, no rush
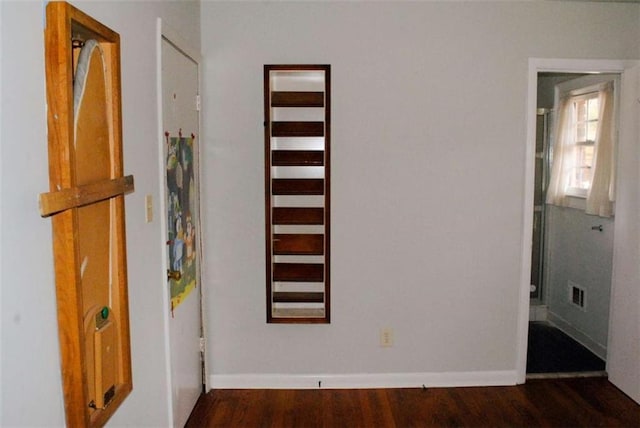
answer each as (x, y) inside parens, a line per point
(576, 86)
(584, 94)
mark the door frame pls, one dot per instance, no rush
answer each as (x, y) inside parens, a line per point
(166, 32)
(537, 65)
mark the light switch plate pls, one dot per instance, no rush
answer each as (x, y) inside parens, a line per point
(148, 214)
(386, 337)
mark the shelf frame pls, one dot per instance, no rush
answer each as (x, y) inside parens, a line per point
(300, 304)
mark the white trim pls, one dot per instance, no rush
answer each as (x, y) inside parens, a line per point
(560, 65)
(537, 65)
(1, 204)
(163, 222)
(362, 380)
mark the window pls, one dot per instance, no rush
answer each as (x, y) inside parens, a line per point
(584, 125)
(583, 161)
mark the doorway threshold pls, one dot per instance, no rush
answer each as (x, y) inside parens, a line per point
(600, 373)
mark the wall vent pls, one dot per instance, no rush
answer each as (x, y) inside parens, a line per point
(577, 295)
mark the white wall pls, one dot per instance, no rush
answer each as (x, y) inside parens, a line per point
(584, 256)
(428, 149)
(31, 383)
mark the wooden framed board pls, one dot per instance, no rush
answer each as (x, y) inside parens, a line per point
(86, 204)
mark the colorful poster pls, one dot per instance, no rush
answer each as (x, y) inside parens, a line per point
(181, 212)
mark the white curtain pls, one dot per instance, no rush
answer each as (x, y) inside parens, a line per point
(601, 195)
(559, 181)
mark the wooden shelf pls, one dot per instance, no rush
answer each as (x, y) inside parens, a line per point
(298, 272)
(297, 129)
(297, 186)
(298, 244)
(297, 99)
(298, 216)
(297, 158)
(289, 315)
(298, 297)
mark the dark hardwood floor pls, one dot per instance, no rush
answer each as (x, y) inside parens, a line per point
(575, 402)
(552, 351)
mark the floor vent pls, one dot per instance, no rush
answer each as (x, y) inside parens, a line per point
(577, 295)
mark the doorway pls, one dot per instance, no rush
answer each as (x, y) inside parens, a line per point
(572, 251)
(178, 70)
(622, 367)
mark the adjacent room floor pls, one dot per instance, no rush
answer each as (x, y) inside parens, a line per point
(552, 351)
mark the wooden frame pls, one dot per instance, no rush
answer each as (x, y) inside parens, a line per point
(298, 257)
(66, 197)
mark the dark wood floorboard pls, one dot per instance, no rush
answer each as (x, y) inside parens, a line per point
(576, 402)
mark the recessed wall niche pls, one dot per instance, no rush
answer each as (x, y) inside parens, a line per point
(297, 192)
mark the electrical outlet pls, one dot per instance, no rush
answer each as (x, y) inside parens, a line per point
(386, 337)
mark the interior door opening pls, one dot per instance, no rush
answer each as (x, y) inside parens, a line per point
(572, 252)
(178, 69)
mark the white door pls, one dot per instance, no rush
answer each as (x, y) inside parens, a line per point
(623, 359)
(180, 128)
